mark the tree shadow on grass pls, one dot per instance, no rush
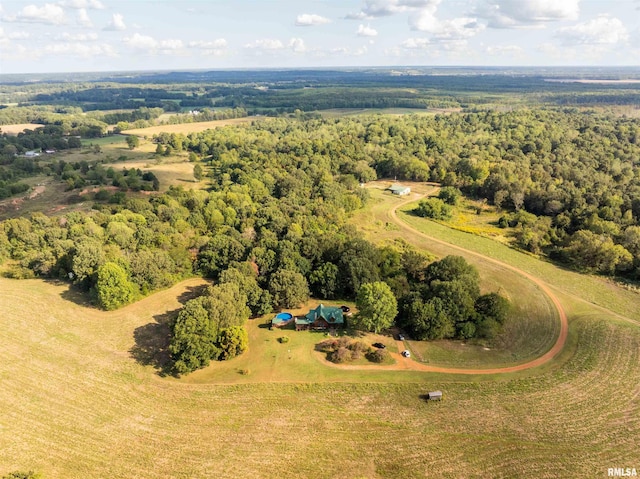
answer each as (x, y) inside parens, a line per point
(73, 293)
(152, 340)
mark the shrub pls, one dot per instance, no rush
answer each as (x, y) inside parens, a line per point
(283, 339)
(357, 348)
(377, 355)
(433, 208)
(341, 355)
(327, 346)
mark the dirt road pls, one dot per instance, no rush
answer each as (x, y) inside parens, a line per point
(403, 363)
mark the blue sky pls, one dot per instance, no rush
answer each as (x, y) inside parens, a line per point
(108, 35)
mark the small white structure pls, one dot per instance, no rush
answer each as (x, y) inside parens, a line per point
(399, 190)
(435, 396)
(31, 154)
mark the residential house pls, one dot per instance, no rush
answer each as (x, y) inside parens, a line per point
(321, 318)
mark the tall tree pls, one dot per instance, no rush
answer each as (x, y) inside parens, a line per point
(133, 141)
(113, 286)
(377, 306)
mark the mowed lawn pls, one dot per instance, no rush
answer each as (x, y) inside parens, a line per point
(77, 402)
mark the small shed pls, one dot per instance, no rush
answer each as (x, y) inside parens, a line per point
(399, 190)
(434, 396)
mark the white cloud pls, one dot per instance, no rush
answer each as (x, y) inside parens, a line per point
(265, 44)
(344, 51)
(49, 13)
(458, 28)
(384, 8)
(116, 23)
(311, 19)
(416, 43)
(13, 35)
(79, 37)
(603, 30)
(167, 46)
(297, 45)
(80, 49)
(83, 18)
(454, 30)
(218, 43)
(527, 13)
(140, 42)
(504, 50)
(78, 4)
(216, 48)
(366, 31)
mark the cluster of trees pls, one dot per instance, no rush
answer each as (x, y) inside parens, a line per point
(42, 138)
(271, 233)
(210, 327)
(576, 175)
(446, 303)
(82, 173)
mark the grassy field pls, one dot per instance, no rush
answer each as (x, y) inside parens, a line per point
(81, 397)
(83, 394)
(188, 127)
(533, 326)
(18, 128)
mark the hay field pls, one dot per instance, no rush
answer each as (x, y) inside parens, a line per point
(187, 128)
(77, 403)
(18, 128)
(169, 172)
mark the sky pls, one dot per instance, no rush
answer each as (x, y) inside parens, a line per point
(122, 35)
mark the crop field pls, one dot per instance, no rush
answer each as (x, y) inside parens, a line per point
(18, 128)
(187, 128)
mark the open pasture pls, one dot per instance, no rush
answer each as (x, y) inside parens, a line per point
(81, 397)
(18, 128)
(533, 327)
(186, 128)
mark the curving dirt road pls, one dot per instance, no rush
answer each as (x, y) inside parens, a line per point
(403, 363)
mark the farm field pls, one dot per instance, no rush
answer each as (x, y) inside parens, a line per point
(81, 398)
(186, 128)
(18, 128)
(170, 172)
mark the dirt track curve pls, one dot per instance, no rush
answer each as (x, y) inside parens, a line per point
(403, 363)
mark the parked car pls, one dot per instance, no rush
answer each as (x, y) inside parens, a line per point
(400, 337)
(378, 345)
(345, 309)
(406, 353)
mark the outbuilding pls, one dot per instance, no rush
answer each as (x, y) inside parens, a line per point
(399, 190)
(434, 396)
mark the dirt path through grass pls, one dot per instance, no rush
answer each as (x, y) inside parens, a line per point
(407, 364)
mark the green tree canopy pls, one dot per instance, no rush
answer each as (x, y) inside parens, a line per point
(133, 141)
(377, 306)
(113, 287)
(288, 288)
